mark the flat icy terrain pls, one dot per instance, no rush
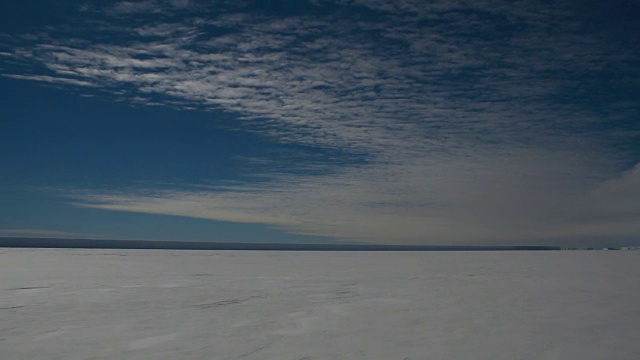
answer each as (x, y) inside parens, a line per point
(161, 304)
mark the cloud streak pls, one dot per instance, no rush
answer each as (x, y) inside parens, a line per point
(46, 233)
(418, 202)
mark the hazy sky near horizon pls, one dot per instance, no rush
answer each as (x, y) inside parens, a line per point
(405, 122)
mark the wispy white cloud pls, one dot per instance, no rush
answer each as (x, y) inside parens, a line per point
(49, 79)
(520, 197)
(45, 233)
(136, 7)
(462, 119)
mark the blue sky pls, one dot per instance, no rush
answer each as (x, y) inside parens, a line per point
(406, 122)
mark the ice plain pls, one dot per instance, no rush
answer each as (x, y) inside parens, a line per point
(172, 304)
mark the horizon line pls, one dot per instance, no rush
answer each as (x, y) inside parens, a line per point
(87, 243)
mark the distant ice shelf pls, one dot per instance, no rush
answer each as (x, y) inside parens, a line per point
(22, 242)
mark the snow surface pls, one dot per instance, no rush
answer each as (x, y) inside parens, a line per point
(161, 304)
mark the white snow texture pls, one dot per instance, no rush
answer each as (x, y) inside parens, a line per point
(151, 304)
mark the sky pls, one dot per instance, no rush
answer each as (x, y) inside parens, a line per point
(353, 121)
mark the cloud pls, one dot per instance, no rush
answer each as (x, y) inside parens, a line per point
(613, 206)
(45, 233)
(517, 199)
(49, 79)
(453, 120)
(136, 7)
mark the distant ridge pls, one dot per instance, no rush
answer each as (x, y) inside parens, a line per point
(18, 242)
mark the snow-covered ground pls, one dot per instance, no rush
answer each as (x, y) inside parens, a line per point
(161, 304)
